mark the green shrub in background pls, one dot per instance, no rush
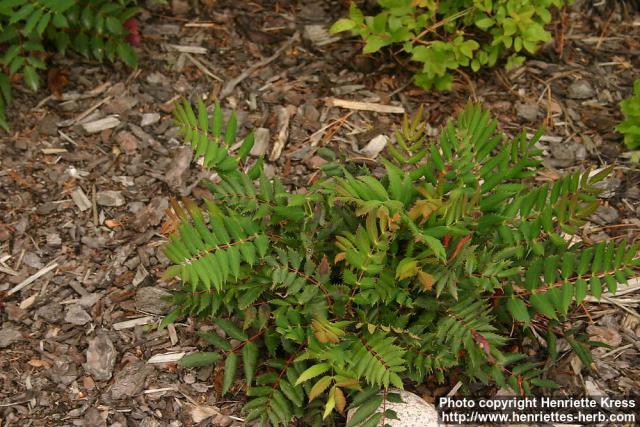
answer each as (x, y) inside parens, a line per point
(31, 28)
(630, 126)
(330, 295)
(443, 36)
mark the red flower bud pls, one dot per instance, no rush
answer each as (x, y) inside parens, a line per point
(133, 38)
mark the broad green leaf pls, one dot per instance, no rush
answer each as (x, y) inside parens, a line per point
(540, 302)
(342, 24)
(364, 411)
(114, 26)
(320, 386)
(215, 340)
(374, 44)
(196, 360)
(408, 267)
(518, 310)
(230, 367)
(31, 78)
(250, 355)
(231, 329)
(313, 371)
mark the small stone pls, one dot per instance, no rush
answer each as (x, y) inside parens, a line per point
(110, 198)
(412, 412)
(130, 380)
(375, 146)
(149, 119)
(567, 153)
(101, 124)
(77, 316)
(120, 105)
(580, 89)
(606, 335)
(189, 378)
(632, 192)
(52, 312)
(180, 7)
(141, 275)
(609, 185)
(54, 240)
(93, 417)
(157, 78)
(605, 215)
(151, 299)
(528, 111)
(261, 142)
(150, 215)
(315, 162)
(4, 234)
(48, 125)
(149, 421)
(9, 335)
(88, 300)
(88, 382)
(80, 199)
(176, 173)
(127, 141)
(32, 260)
(101, 357)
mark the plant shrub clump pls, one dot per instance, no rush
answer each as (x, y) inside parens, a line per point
(630, 126)
(29, 29)
(444, 35)
(329, 296)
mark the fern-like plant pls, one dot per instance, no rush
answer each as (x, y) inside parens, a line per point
(29, 28)
(331, 295)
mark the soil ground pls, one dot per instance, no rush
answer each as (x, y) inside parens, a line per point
(85, 211)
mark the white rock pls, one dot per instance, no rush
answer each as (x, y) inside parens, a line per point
(412, 412)
(261, 142)
(76, 315)
(149, 119)
(110, 198)
(80, 199)
(375, 146)
(101, 124)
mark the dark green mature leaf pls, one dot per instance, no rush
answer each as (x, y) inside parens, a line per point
(365, 410)
(230, 367)
(196, 360)
(518, 310)
(215, 340)
(541, 302)
(231, 329)
(250, 353)
(31, 78)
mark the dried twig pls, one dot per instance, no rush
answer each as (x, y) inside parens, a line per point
(231, 84)
(198, 50)
(29, 280)
(365, 106)
(202, 67)
(140, 321)
(283, 133)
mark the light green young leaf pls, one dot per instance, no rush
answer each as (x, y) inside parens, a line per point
(341, 25)
(313, 371)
